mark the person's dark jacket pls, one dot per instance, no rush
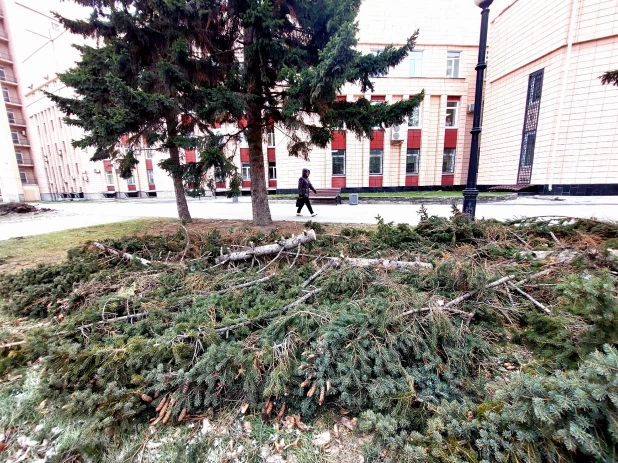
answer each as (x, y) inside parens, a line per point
(304, 185)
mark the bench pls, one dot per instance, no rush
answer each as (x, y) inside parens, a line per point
(327, 193)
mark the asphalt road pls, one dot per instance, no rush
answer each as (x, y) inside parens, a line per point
(67, 215)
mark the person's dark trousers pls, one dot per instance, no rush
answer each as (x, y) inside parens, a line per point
(307, 203)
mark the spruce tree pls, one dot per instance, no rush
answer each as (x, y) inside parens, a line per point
(147, 77)
(610, 77)
(250, 63)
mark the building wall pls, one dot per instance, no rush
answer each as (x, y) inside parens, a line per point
(584, 150)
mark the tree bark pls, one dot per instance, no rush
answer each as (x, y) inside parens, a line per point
(179, 189)
(290, 243)
(255, 105)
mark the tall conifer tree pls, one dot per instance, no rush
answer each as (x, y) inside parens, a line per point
(252, 63)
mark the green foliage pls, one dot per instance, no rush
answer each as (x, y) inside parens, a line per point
(508, 384)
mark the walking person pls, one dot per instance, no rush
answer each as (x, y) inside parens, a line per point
(304, 185)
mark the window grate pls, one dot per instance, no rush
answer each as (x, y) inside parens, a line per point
(531, 120)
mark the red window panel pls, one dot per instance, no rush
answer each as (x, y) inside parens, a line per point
(220, 184)
(272, 183)
(448, 179)
(341, 98)
(107, 165)
(453, 98)
(271, 154)
(217, 125)
(110, 188)
(124, 140)
(378, 140)
(414, 138)
(246, 183)
(450, 138)
(338, 182)
(244, 154)
(378, 98)
(339, 140)
(242, 122)
(375, 181)
(411, 180)
(152, 186)
(148, 164)
(132, 187)
(190, 155)
(186, 119)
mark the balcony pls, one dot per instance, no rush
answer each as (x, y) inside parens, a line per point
(5, 57)
(11, 100)
(16, 121)
(4, 36)
(9, 79)
(23, 161)
(21, 140)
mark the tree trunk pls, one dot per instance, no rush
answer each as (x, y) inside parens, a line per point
(259, 190)
(179, 189)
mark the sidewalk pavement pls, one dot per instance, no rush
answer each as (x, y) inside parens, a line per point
(68, 215)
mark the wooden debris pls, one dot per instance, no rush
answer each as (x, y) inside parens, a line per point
(284, 245)
(122, 255)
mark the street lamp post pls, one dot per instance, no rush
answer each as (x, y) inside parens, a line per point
(471, 192)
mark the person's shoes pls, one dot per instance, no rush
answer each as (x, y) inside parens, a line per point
(298, 214)
(314, 214)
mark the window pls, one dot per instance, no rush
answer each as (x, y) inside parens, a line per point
(15, 136)
(149, 154)
(377, 102)
(23, 176)
(2, 73)
(271, 138)
(415, 117)
(412, 160)
(51, 124)
(451, 113)
(375, 52)
(246, 171)
(452, 64)
(19, 156)
(11, 116)
(448, 161)
(416, 64)
(272, 171)
(375, 162)
(55, 27)
(5, 94)
(150, 176)
(59, 122)
(338, 163)
(531, 120)
(109, 175)
(131, 180)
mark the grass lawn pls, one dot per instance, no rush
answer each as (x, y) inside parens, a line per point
(406, 194)
(51, 248)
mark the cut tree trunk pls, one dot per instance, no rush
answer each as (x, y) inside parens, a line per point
(179, 188)
(121, 254)
(384, 263)
(247, 254)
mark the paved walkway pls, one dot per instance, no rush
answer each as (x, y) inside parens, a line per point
(69, 215)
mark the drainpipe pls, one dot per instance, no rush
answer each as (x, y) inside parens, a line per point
(565, 75)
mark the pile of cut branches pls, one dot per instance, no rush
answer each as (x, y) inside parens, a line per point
(450, 341)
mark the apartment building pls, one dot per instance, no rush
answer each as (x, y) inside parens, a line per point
(548, 122)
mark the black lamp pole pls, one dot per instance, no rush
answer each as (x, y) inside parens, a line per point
(471, 192)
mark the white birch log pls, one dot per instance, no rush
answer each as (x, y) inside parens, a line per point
(122, 255)
(384, 263)
(284, 245)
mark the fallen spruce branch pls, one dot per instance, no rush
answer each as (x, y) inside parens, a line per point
(284, 245)
(531, 299)
(241, 286)
(122, 255)
(221, 330)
